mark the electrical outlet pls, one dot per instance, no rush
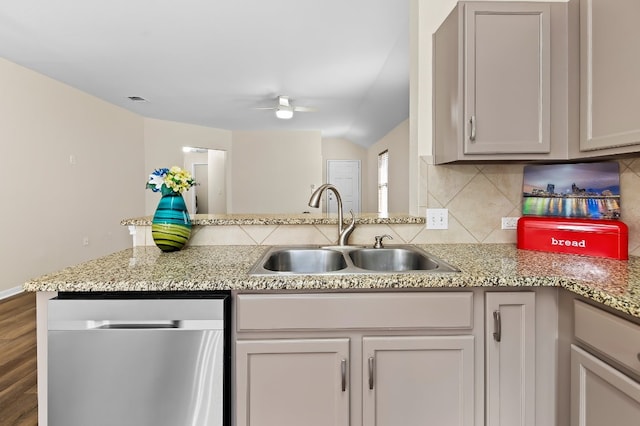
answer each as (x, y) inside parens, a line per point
(85, 241)
(437, 219)
(510, 222)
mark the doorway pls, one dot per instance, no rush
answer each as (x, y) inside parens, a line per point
(201, 191)
(209, 170)
(344, 175)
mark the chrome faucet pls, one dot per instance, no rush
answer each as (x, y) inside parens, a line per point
(343, 232)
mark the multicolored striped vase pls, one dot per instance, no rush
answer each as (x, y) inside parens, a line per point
(171, 225)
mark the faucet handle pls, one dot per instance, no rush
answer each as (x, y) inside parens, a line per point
(379, 238)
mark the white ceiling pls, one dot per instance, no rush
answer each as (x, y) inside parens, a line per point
(212, 62)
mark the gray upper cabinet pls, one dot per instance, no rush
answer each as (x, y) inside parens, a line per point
(609, 75)
(537, 81)
(506, 78)
(492, 82)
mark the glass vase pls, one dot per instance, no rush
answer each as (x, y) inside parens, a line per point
(171, 225)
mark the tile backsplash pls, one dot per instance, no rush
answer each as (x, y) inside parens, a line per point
(479, 195)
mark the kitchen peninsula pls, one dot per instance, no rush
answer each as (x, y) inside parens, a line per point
(613, 283)
(363, 316)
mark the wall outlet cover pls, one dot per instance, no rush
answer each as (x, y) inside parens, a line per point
(437, 218)
(510, 222)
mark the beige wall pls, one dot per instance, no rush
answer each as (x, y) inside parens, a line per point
(272, 171)
(50, 205)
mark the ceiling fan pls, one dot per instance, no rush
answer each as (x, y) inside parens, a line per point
(284, 109)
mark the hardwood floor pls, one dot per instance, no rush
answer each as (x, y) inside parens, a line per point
(18, 389)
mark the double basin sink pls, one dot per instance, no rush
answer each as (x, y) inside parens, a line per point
(348, 260)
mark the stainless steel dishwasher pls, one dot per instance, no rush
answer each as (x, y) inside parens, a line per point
(138, 359)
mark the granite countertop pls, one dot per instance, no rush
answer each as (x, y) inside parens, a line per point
(611, 282)
(286, 219)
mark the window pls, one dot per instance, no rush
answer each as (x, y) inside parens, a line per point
(383, 182)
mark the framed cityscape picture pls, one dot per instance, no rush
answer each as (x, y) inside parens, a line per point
(581, 190)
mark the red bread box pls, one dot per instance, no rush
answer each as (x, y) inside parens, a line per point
(601, 238)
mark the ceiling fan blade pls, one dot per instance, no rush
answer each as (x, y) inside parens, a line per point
(283, 103)
(304, 109)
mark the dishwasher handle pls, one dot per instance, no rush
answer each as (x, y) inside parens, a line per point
(103, 325)
(134, 325)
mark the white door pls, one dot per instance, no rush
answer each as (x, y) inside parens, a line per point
(344, 175)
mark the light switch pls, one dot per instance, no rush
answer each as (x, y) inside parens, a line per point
(437, 218)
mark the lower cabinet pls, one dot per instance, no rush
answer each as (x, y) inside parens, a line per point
(466, 358)
(510, 358)
(405, 381)
(410, 379)
(356, 359)
(292, 382)
(604, 392)
(601, 395)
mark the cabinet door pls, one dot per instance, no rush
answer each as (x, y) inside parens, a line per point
(507, 78)
(510, 348)
(609, 70)
(600, 394)
(292, 382)
(419, 380)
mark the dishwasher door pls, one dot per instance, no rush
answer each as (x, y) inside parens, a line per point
(136, 362)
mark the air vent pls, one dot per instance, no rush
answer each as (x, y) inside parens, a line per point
(137, 99)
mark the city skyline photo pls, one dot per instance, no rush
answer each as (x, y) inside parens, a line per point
(581, 190)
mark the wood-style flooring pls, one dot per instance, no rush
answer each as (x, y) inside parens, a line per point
(18, 390)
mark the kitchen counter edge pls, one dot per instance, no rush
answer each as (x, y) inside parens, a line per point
(610, 282)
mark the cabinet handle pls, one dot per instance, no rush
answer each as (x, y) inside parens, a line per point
(370, 373)
(472, 122)
(497, 326)
(343, 372)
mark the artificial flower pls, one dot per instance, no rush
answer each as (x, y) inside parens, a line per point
(167, 181)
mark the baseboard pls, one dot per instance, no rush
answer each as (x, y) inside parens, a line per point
(10, 292)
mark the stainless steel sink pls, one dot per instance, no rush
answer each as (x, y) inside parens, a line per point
(392, 259)
(304, 261)
(348, 260)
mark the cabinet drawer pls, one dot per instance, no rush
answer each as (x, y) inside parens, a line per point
(615, 337)
(354, 311)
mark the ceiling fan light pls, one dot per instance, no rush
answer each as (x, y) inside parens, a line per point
(283, 101)
(284, 113)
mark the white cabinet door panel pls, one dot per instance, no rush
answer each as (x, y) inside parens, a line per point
(600, 394)
(418, 380)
